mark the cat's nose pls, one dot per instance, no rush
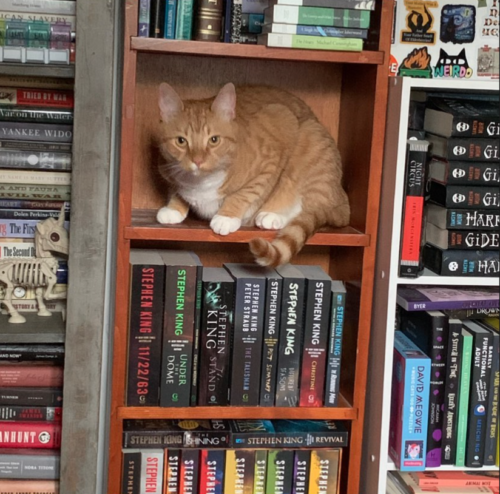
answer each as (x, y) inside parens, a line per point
(198, 161)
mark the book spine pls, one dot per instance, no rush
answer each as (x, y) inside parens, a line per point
(236, 20)
(170, 19)
(42, 6)
(451, 396)
(157, 19)
(248, 337)
(22, 353)
(252, 23)
(473, 240)
(36, 97)
(29, 214)
(190, 467)
(35, 192)
(271, 342)
(44, 435)
(473, 313)
(212, 464)
(34, 160)
(209, 20)
(23, 205)
(280, 465)
(467, 196)
(31, 146)
(147, 439)
(131, 472)
(39, 82)
(337, 4)
(416, 157)
(492, 416)
(30, 466)
(30, 414)
(461, 262)
(312, 381)
(195, 374)
(217, 324)
(313, 42)
(17, 250)
(28, 17)
(21, 228)
(472, 173)
(472, 220)
(31, 396)
(15, 114)
(335, 349)
(178, 334)
(152, 472)
(325, 470)
(31, 376)
(32, 306)
(301, 469)
(172, 471)
(240, 468)
(335, 32)
(36, 131)
(35, 177)
(476, 126)
(145, 334)
(144, 18)
(259, 485)
(184, 20)
(227, 20)
(472, 149)
(480, 380)
(291, 326)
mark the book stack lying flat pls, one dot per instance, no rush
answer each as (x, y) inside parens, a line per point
(462, 232)
(317, 24)
(40, 31)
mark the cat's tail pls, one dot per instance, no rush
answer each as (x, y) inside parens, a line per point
(287, 243)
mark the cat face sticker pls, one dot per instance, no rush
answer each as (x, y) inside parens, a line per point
(452, 66)
(419, 23)
(416, 64)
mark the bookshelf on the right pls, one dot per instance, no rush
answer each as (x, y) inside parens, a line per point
(436, 300)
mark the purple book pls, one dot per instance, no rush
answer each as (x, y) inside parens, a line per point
(447, 298)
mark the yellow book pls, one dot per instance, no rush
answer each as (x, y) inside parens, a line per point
(324, 474)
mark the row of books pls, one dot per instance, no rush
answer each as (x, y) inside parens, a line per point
(452, 197)
(445, 380)
(37, 32)
(240, 335)
(160, 471)
(308, 24)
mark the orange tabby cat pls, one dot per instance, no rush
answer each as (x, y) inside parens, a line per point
(251, 156)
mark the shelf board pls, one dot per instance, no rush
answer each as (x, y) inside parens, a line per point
(145, 227)
(38, 70)
(152, 45)
(391, 467)
(36, 329)
(430, 278)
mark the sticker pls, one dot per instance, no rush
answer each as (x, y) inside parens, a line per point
(416, 64)
(490, 22)
(458, 24)
(393, 66)
(453, 66)
(488, 62)
(419, 22)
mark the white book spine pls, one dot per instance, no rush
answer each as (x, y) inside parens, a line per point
(65, 7)
(34, 177)
(286, 14)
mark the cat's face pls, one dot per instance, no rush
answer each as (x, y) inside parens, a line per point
(197, 137)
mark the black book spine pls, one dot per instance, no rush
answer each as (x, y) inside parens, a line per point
(20, 114)
(461, 262)
(157, 20)
(172, 471)
(38, 353)
(480, 380)
(335, 348)
(190, 468)
(50, 397)
(131, 472)
(30, 414)
(302, 467)
(145, 334)
(30, 214)
(196, 338)
(465, 196)
(472, 173)
(472, 219)
(29, 131)
(54, 147)
(451, 395)
(291, 328)
(473, 240)
(178, 336)
(248, 336)
(475, 126)
(490, 447)
(473, 313)
(216, 330)
(271, 342)
(473, 149)
(147, 439)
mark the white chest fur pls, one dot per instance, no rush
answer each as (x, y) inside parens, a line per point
(204, 197)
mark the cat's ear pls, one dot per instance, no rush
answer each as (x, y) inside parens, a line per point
(169, 102)
(224, 104)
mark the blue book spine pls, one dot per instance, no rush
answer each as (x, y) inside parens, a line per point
(227, 21)
(144, 16)
(170, 17)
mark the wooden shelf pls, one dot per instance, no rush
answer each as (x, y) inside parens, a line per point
(145, 227)
(38, 70)
(152, 45)
(36, 329)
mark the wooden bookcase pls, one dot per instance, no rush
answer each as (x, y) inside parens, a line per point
(348, 93)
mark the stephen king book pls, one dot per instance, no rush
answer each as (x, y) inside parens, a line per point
(301, 470)
(190, 471)
(324, 476)
(260, 473)
(279, 472)
(172, 471)
(181, 284)
(147, 285)
(216, 331)
(240, 470)
(316, 332)
(248, 332)
(212, 466)
(143, 471)
(291, 336)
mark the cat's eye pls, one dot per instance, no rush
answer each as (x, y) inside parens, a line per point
(214, 140)
(181, 141)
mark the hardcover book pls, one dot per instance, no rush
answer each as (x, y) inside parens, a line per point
(216, 330)
(248, 332)
(38, 115)
(279, 472)
(32, 146)
(27, 463)
(30, 414)
(464, 172)
(447, 298)
(464, 196)
(465, 148)
(473, 313)
(291, 336)
(31, 396)
(170, 19)
(34, 160)
(147, 285)
(240, 470)
(32, 353)
(461, 239)
(452, 262)
(20, 228)
(462, 219)
(183, 271)
(260, 473)
(35, 192)
(301, 470)
(53, 98)
(325, 471)
(335, 344)
(409, 405)
(157, 19)
(64, 7)
(142, 471)
(208, 20)
(212, 466)
(143, 28)
(30, 131)
(190, 470)
(46, 435)
(334, 32)
(316, 332)
(8, 486)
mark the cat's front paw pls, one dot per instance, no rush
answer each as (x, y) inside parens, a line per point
(270, 221)
(224, 225)
(169, 216)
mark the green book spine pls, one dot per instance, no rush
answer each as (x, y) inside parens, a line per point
(259, 480)
(463, 401)
(184, 19)
(313, 42)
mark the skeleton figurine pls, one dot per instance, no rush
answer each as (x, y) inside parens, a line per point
(39, 273)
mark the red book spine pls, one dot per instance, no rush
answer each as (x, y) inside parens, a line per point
(31, 376)
(36, 97)
(45, 435)
(30, 414)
